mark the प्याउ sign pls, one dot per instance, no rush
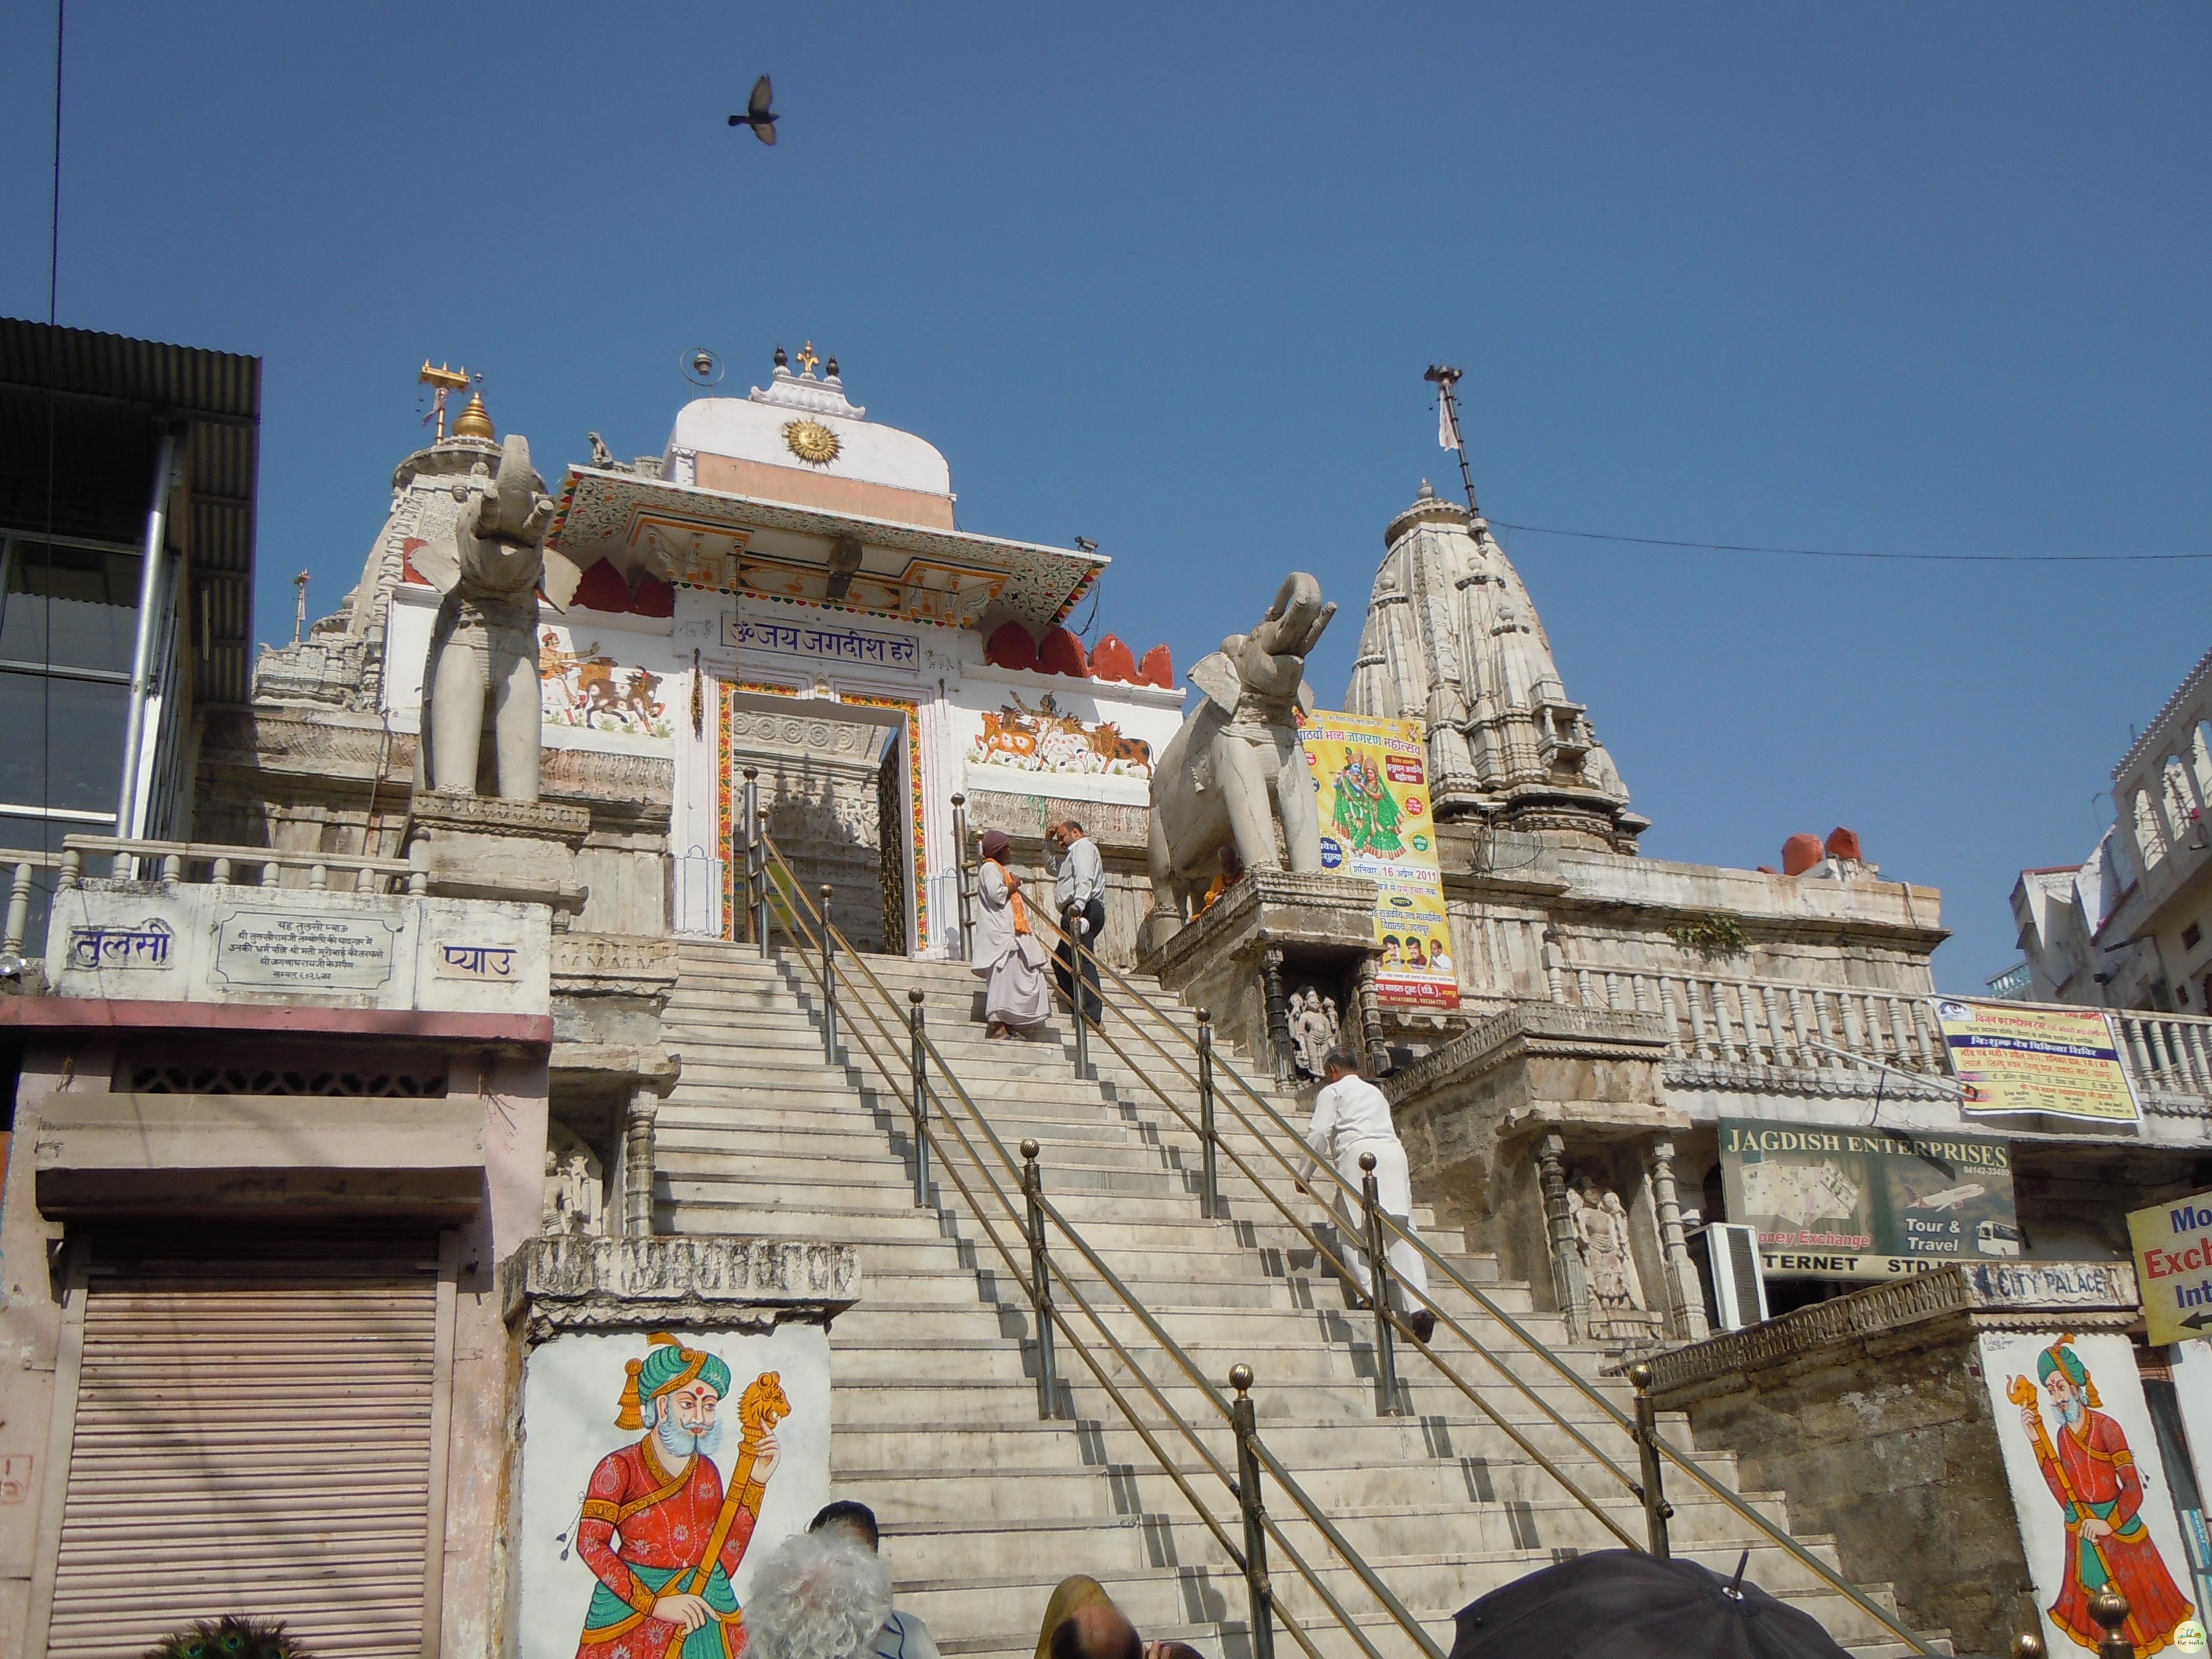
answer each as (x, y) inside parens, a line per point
(2057, 1062)
(1867, 1204)
(1370, 777)
(2173, 1266)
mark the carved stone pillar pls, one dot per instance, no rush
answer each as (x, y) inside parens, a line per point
(1569, 1283)
(1555, 967)
(637, 1163)
(1686, 1301)
(1370, 1020)
(1278, 1015)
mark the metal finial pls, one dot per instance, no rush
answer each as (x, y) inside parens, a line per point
(1639, 1376)
(914, 996)
(826, 891)
(2028, 1644)
(752, 771)
(1240, 1378)
(1205, 1017)
(959, 799)
(1367, 1163)
(1030, 1151)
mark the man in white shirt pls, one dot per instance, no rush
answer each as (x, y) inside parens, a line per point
(903, 1636)
(1079, 896)
(1349, 1117)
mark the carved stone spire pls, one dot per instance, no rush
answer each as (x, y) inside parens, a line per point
(1452, 638)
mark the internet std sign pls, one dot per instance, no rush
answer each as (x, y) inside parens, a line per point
(2173, 1266)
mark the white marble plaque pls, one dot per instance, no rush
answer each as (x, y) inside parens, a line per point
(280, 951)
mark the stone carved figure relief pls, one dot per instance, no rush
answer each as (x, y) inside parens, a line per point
(483, 647)
(1235, 770)
(575, 1185)
(1315, 1029)
(1618, 1307)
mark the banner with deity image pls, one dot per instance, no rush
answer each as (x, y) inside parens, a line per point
(1371, 778)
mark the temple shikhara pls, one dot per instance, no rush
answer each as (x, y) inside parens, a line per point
(520, 1095)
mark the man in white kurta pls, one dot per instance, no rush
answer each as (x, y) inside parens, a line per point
(1349, 1117)
(1003, 952)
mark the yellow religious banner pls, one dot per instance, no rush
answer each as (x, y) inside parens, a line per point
(2059, 1062)
(2173, 1266)
(1371, 776)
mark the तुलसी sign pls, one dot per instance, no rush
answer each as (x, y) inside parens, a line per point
(2060, 1062)
(1867, 1204)
(1370, 776)
(2173, 1266)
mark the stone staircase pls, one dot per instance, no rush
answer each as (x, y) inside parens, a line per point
(935, 1421)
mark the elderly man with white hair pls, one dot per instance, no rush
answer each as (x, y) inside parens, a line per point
(819, 1595)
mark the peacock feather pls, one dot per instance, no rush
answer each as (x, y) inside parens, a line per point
(230, 1637)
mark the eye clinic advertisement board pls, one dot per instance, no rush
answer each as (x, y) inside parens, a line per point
(2057, 1062)
(1865, 1204)
(1370, 780)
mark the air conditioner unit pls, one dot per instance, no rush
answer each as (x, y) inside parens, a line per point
(1729, 1269)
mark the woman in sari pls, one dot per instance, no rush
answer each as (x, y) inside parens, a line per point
(1004, 954)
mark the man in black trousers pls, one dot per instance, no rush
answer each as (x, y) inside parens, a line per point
(1079, 894)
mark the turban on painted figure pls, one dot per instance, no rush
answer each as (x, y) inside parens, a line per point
(668, 1365)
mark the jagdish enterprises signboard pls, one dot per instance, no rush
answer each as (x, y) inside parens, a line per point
(1867, 1204)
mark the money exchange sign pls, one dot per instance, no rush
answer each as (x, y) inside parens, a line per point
(1370, 775)
(2173, 1266)
(1859, 1204)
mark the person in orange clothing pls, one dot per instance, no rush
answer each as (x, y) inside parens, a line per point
(653, 1509)
(2092, 1474)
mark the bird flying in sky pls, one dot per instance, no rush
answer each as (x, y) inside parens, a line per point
(758, 116)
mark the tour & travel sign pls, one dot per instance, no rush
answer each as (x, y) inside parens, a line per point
(1867, 1204)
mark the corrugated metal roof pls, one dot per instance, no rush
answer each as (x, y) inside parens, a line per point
(97, 398)
(179, 380)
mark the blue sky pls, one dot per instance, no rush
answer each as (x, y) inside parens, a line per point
(1905, 278)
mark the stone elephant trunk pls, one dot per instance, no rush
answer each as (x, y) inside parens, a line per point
(1236, 770)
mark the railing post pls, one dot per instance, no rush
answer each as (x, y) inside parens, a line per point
(760, 880)
(828, 982)
(2110, 1608)
(1040, 1281)
(19, 912)
(753, 850)
(1243, 1418)
(1378, 1289)
(920, 1101)
(72, 868)
(963, 876)
(1209, 1147)
(1656, 1508)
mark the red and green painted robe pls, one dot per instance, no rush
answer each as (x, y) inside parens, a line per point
(642, 1527)
(2096, 1461)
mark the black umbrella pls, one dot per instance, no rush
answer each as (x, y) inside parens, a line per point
(1623, 1604)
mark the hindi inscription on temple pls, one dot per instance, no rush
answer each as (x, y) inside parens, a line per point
(277, 951)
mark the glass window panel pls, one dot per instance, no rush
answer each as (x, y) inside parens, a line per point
(87, 596)
(62, 743)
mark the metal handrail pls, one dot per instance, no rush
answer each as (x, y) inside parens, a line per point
(1167, 1344)
(1661, 1445)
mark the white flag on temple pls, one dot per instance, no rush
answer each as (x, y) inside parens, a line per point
(1447, 428)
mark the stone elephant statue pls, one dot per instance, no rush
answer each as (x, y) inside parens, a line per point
(1235, 769)
(483, 647)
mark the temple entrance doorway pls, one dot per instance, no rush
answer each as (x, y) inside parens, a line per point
(834, 779)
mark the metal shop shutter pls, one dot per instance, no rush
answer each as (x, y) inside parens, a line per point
(253, 1434)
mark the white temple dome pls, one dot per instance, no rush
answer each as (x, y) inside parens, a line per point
(801, 440)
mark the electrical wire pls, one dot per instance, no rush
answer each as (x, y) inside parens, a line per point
(1843, 553)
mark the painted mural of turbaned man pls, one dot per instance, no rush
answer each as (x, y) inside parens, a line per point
(2092, 1473)
(660, 1529)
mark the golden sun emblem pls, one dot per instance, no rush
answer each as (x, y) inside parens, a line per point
(811, 441)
